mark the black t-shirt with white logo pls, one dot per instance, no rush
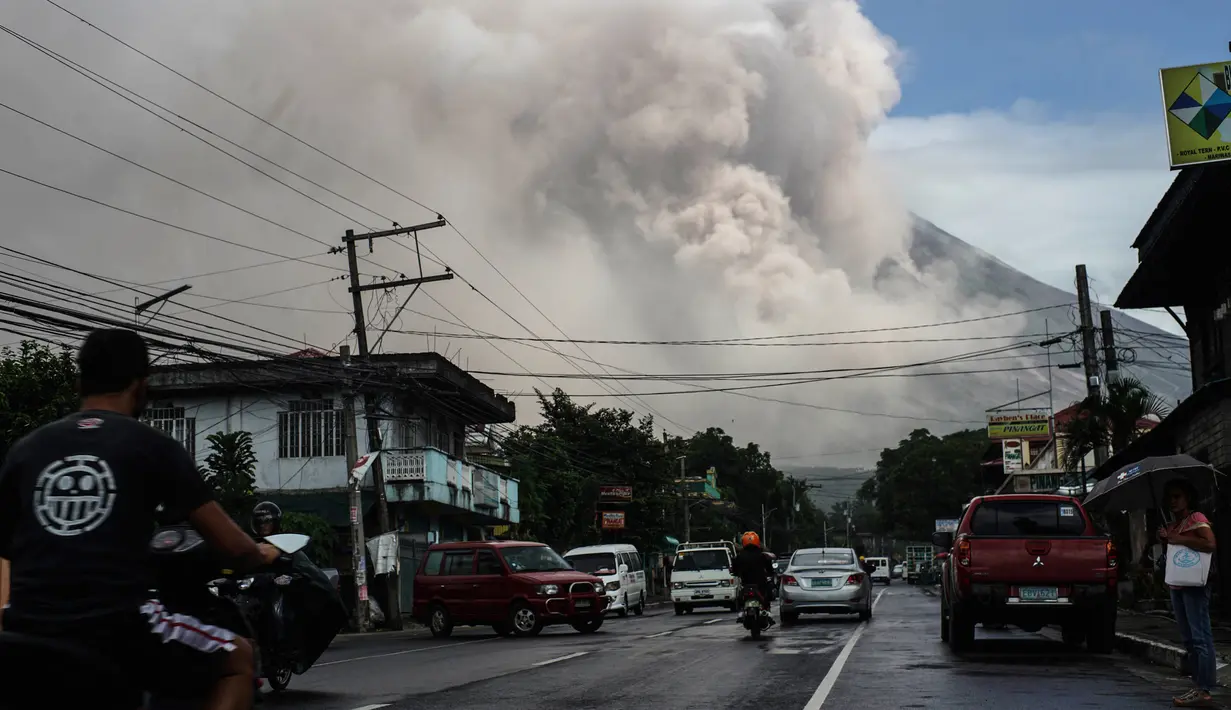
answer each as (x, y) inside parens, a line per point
(77, 508)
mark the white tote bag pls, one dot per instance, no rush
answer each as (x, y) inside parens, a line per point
(1187, 567)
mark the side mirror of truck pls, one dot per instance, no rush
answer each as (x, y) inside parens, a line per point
(943, 540)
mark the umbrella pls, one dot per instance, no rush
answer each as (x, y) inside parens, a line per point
(1139, 486)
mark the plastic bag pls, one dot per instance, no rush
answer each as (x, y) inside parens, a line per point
(1187, 567)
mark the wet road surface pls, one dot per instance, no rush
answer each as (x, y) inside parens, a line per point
(704, 660)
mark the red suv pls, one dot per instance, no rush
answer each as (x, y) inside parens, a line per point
(515, 587)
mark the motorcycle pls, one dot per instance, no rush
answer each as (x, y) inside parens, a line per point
(755, 618)
(273, 601)
(185, 567)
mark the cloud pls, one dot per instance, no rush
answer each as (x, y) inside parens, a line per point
(1039, 191)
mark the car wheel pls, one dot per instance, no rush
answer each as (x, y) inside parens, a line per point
(944, 624)
(623, 611)
(587, 627)
(524, 620)
(502, 629)
(788, 618)
(1073, 635)
(1101, 630)
(640, 608)
(439, 622)
(679, 609)
(961, 630)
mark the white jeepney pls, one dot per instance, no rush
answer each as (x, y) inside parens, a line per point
(701, 576)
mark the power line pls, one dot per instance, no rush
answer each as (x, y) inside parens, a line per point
(741, 342)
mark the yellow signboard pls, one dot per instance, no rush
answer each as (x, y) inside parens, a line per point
(1197, 100)
(1030, 425)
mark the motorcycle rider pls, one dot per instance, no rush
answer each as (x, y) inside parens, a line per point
(753, 567)
(77, 508)
(266, 519)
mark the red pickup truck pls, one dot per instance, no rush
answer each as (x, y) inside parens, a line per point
(1029, 560)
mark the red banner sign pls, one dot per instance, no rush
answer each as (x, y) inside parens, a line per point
(615, 493)
(613, 520)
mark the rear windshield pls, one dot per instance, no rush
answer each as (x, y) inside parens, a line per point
(594, 563)
(695, 560)
(822, 559)
(1027, 517)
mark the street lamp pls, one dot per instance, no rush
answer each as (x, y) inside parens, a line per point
(764, 529)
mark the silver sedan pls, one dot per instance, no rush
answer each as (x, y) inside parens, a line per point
(824, 580)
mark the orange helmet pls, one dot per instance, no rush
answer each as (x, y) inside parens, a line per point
(750, 538)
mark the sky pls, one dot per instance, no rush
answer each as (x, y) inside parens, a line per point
(1034, 130)
(616, 169)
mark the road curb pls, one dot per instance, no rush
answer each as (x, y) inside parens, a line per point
(1164, 654)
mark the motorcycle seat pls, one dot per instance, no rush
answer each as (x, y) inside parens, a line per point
(63, 673)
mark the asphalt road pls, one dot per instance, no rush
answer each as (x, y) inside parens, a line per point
(706, 661)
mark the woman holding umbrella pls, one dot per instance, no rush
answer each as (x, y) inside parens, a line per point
(1191, 529)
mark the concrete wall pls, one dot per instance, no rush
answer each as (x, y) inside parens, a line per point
(1206, 436)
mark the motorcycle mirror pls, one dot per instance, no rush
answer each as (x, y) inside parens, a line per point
(290, 543)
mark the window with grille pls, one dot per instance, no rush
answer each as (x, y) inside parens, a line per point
(172, 421)
(310, 427)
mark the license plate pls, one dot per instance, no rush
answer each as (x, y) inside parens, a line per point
(582, 603)
(822, 582)
(703, 596)
(753, 604)
(1038, 594)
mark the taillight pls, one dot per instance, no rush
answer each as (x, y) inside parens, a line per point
(789, 581)
(854, 579)
(1113, 557)
(963, 552)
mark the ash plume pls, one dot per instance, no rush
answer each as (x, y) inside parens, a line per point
(639, 169)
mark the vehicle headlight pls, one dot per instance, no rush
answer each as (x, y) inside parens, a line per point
(246, 582)
(677, 585)
(548, 590)
(613, 586)
(725, 582)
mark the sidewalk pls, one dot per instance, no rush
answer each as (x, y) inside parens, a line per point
(1155, 638)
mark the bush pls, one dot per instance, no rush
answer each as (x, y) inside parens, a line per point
(324, 537)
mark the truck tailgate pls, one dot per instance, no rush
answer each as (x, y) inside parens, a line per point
(1052, 561)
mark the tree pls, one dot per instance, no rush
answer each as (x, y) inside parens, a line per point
(230, 468)
(324, 537)
(924, 478)
(38, 385)
(1110, 419)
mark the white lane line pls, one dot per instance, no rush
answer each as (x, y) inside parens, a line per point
(831, 678)
(654, 636)
(399, 653)
(374, 707)
(579, 654)
(713, 621)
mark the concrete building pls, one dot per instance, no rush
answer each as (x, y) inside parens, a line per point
(293, 409)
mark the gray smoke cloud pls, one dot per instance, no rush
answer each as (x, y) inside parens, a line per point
(640, 169)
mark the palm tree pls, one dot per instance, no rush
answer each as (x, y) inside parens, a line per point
(1110, 419)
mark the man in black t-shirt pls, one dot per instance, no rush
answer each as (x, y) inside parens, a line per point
(77, 509)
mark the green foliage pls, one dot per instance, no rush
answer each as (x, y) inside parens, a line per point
(38, 384)
(230, 468)
(924, 478)
(562, 462)
(324, 537)
(1109, 419)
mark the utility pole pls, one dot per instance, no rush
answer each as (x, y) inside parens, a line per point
(358, 544)
(1089, 352)
(1110, 361)
(369, 400)
(684, 497)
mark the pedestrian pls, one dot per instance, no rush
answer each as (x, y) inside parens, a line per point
(1191, 605)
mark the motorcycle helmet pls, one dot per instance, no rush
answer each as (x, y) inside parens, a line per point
(266, 513)
(750, 538)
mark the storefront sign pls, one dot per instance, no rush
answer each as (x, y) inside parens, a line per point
(615, 493)
(1013, 458)
(1197, 101)
(1021, 425)
(613, 520)
(946, 525)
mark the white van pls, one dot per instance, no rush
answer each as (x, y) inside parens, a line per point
(701, 576)
(882, 571)
(621, 569)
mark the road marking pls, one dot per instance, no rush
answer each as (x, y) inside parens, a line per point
(398, 653)
(374, 707)
(579, 654)
(831, 678)
(660, 633)
(713, 621)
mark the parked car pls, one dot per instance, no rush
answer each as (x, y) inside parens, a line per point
(1029, 560)
(825, 580)
(621, 570)
(515, 587)
(898, 571)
